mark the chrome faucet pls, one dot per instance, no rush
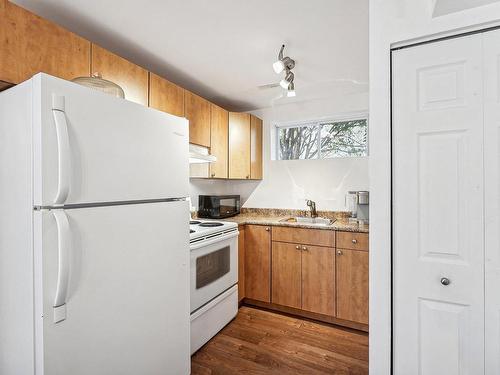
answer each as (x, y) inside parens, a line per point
(312, 208)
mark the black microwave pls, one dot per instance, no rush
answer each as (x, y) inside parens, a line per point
(218, 206)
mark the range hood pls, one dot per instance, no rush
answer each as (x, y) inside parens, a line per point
(200, 155)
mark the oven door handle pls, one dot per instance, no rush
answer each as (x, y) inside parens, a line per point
(213, 240)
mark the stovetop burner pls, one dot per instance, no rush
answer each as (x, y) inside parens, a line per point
(211, 224)
(194, 222)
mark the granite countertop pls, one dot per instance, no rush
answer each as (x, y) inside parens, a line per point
(278, 217)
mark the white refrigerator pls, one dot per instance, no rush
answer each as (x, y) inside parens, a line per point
(94, 236)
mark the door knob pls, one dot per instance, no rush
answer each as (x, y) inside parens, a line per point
(339, 252)
(445, 281)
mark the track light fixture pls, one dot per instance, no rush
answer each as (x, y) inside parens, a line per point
(285, 64)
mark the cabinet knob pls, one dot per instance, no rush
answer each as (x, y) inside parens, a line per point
(304, 248)
(297, 247)
(354, 240)
(445, 281)
(268, 229)
(248, 176)
(339, 252)
(212, 175)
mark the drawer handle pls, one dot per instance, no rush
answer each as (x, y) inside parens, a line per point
(355, 241)
(339, 252)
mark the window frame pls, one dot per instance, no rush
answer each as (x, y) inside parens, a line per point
(353, 116)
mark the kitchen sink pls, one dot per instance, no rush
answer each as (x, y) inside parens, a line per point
(320, 221)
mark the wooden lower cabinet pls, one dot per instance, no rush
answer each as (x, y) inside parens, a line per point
(352, 285)
(258, 263)
(286, 274)
(318, 280)
(241, 263)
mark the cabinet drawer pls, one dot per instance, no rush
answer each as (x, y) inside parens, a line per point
(318, 237)
(352, 240)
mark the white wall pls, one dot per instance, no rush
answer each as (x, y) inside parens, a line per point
(394, 22)
(286, 184)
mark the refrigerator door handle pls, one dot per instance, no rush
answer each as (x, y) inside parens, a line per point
(64, 251)
(63, 149)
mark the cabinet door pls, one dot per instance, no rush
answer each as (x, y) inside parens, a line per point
(198, 114)
(165, 95)
(286, 274)
(241, 263)
(130, 77)
(352, 285)
(318, 280)
(31, 44)
(239, 145)
(258, 263)
(255, 148)
(219, 133)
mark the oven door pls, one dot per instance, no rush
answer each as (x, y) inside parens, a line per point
(214, 267)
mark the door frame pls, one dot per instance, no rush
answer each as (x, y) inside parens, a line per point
(397, 47)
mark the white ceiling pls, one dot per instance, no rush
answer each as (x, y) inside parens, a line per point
(224, 49)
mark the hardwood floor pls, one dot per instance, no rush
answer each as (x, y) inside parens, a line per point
(262, 342)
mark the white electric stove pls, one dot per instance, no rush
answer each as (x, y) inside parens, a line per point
(214, 278)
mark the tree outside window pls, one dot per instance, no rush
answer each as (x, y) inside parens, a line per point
(325, 139)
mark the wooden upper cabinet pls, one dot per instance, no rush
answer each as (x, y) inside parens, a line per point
(286, 274)
(132, 78)
(239, 145)
(255, 148)
(30, 44)
(258, 262)
(318, 280)
(219, 142)
(352, 285)
(197, 111)
(165, 95)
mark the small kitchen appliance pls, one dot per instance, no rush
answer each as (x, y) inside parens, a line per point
(218, 206)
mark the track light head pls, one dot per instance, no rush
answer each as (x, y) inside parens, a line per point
(291, 90)
(285, 82)
(283, 62)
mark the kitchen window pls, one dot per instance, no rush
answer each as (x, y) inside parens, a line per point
(323, 139)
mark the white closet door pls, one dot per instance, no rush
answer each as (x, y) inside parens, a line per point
(491, 60)
(438, 208)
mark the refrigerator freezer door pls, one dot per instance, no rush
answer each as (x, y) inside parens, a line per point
(127, 301)
(90, 147)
